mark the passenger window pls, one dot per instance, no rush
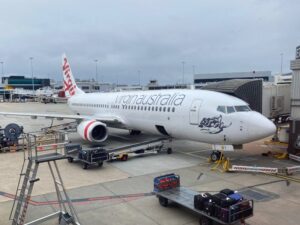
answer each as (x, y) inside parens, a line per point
(168, 109)
(156, 108)
(173, 109)
(221, 109)
(164, 109)
(159, 108)
(230, 109)
(152, 108)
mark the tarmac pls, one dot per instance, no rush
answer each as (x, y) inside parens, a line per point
(121, 192)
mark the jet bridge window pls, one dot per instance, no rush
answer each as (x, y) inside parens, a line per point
(242, 108)
(230, 109)
(221, 109)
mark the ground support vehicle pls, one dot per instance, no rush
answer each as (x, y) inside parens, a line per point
(138, 149)
(184, 197)
(88, 156)
(10, 137)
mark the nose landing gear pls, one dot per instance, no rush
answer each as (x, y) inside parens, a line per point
(215, 156)
(222, 162)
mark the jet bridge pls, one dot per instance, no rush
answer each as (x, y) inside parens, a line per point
(272, 100)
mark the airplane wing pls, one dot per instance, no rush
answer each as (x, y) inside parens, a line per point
(109, 120)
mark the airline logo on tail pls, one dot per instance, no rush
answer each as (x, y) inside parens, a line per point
(70, 87)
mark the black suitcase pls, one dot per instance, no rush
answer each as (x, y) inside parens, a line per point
(224, 215)
(200, 199)
(199, 202)
(235, 212)
(218, 198)
(209, 208)
(227, 191)
(225, 203)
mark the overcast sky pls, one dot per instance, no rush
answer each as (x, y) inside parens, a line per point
(153, 36)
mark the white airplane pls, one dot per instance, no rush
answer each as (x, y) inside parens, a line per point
(198, 115)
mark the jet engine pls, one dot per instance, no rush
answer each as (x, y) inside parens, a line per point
(92, 130)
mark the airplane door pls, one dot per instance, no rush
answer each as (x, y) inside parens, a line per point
(194, 111)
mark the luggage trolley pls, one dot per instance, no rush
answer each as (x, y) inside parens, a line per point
(167, 189)
(88, 156)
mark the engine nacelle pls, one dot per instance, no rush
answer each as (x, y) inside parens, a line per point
(92, 130)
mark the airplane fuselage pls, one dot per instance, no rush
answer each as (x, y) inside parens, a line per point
(198, 115)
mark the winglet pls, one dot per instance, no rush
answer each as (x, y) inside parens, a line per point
(70, 86)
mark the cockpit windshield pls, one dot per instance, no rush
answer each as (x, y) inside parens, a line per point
(221, 108)
(233, 109)
(230, 109)
(242, 108)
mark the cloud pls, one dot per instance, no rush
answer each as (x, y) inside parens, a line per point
(151, 36)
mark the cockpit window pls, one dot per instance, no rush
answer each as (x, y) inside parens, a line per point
(221, 109)
(230, 109)
(242, 108)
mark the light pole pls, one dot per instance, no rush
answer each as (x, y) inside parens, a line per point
(31, 67)
(281, 61)
(139, 74)
(96, 62)
(183, 62)
(2, 68)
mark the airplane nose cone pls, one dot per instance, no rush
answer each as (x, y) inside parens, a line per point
(260, 127)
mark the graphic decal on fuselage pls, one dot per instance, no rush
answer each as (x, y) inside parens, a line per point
(174, 99)
(213, 125)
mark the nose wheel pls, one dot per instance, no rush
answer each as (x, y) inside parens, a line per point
(215, 156)
(221, 162)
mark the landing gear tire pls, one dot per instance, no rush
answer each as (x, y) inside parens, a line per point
(205, 221)
(70, 160)
(215, 156)
(124, 157)
(85, 166)
(100, 164)
(169, 151)
(163, 201)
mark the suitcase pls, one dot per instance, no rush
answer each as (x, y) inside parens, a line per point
(209, 208)
(236, 196)
(227, 191)
(235, 212)
(225, 203)
(218, 198)
(224, 215)
(200, 199)
(246, 209)
(166, 182)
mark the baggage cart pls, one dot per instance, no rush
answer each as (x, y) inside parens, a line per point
(184, 197)
(87, 156)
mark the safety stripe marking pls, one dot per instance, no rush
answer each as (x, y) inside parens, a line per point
(86, 129)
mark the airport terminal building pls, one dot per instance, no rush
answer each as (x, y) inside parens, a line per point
(201, 79)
